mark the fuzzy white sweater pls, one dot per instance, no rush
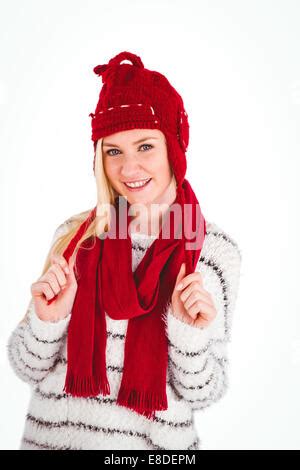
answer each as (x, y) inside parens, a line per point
(197, 373)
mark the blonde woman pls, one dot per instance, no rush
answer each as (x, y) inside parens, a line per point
(126, 336)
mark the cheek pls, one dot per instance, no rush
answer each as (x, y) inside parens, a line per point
(160, 169)
(111, 169)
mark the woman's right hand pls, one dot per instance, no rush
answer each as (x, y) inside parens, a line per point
(58, 280)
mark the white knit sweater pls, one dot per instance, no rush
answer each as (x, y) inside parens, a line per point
(197, 372)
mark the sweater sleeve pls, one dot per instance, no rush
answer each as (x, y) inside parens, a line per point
(198, 357)
(33, 346)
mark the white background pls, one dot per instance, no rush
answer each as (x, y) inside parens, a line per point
(236, 65)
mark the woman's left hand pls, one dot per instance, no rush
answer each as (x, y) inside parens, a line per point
(192, 303)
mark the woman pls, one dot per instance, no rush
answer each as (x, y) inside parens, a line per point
(126, 335)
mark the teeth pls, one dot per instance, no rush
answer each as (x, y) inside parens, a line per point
(137, 184)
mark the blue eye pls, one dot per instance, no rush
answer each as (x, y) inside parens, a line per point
(110, 151)
(147, 145)
(143, 145)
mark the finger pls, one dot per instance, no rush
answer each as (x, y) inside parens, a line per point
(194, 286)
(72, 261)
(200, 307)
(194, 296)
(59, 259)
(196, 276)
(39, 289)
(180, 275)
(201, 322)
(60, 274)
(187, 319)
(51, 278)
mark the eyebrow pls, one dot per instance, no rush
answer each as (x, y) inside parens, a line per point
(137, 142)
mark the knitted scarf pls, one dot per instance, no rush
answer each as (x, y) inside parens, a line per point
(106, 283)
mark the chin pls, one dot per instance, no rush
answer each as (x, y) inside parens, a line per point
(139, 199)
(142, 198)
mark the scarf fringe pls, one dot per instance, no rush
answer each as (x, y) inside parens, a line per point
(143, 402)
(86, 386)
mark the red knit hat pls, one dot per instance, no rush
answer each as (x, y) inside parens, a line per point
(134, 97)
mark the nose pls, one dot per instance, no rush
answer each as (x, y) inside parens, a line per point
(130, 169)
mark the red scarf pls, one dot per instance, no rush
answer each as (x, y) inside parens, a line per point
(106, 283)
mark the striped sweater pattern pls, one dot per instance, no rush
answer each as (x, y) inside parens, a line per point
(197, 374)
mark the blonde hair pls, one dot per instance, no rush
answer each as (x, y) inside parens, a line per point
(105, 197)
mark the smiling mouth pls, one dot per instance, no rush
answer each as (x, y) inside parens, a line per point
(137, 184)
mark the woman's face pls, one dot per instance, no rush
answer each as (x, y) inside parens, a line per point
(138, 158)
